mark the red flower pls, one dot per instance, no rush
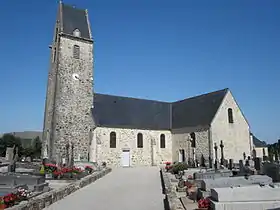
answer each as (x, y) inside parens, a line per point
(50, 165)
(204, 203)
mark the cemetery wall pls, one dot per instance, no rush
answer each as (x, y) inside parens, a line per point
(236, 135)
(180, 139)
(48, 198)
(126, 139)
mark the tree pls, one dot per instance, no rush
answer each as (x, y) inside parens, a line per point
(37, 145)
(9, 140)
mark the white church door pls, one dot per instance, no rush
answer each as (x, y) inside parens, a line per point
(125, 158)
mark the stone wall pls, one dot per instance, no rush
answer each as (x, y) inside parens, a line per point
(150, 154)
(181, 141)
(48, 198)
(171, 200)
(259, 151)
(236, 135)
(72, 118)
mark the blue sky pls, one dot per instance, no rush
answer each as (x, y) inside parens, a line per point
(163, 50)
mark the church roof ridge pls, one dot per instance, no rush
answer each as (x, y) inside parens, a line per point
(202, 95)
(134, 98)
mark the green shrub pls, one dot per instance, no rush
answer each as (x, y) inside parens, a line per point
(179, 167)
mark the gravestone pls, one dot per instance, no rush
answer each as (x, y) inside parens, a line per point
(230, 164)
(271, 170)
(212, 174)
(9, 153)
(257, 164)
(241, 166)
(12, 165)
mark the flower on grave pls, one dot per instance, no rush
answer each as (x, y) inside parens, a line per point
(49, 168)
(23, 193)
(66, 170)
(204, 203)
(57, 173)
(77, 170)
(10, 199)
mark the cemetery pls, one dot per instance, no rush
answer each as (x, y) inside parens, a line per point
(253, 183)
(35, 185)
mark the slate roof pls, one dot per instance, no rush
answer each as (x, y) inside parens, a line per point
(125, 112)
(257, 142)
(74, 18)
(197, 111)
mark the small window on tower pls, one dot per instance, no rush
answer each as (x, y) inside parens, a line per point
(76, 51)
(77, 32)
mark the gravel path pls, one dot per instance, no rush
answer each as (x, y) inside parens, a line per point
(122, 189)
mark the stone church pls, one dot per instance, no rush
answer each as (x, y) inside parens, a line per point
(124, 131)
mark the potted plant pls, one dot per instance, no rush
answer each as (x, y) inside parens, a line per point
(2, 204)
(10, 199)
(168, 166)
(49, 169)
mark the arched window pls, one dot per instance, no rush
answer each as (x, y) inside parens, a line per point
(76, 51)
(193, 140)
(113, 140)
(77, 32)
(140, 140)
(230, 115)
(162, 141)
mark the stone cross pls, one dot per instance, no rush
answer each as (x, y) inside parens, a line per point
(216, 151)
(254, 154)
(216, 156)
(210, 162)
(244, 155)
(230, 167)
(202, 161)
(222, 152)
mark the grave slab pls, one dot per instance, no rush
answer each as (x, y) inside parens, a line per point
(256, 205)
(246, 194)
(222, 182)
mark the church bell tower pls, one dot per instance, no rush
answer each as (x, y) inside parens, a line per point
(69, 97)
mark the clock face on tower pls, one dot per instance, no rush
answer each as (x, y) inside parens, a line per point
(75, 76)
